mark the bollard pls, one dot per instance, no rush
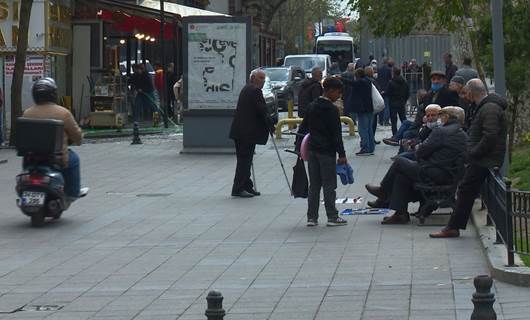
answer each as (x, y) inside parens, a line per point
(290, 112)
(483, 299)
(136, 134)
(156, 119)
(119, 124)
(215, 309)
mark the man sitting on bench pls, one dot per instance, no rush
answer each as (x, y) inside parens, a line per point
(439, 150)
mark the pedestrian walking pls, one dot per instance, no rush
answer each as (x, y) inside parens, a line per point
(322, 121)
(486, 145)
(398, 93)
(311, 89)
(251, 126)
(450, 67)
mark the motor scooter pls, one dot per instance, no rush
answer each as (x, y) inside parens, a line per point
(40, 185)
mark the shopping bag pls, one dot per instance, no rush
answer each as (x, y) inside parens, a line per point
(300, 183)
(377, 100)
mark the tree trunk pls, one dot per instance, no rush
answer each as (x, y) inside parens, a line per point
(20, 63)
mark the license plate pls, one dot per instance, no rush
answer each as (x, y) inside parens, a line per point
(32, 199)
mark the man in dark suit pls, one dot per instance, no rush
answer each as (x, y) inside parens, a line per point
(251, 126)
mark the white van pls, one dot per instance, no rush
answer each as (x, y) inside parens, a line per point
(308, 61)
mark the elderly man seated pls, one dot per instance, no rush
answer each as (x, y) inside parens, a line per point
(442, 149)
(413, 137)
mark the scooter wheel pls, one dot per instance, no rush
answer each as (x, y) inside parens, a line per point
(37, 219)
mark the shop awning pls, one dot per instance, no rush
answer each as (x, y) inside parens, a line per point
(183, 11)
(124, 22)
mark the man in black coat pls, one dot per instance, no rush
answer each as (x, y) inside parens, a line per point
(251, 126)
(487, 146)
(443, 149)
(398, 93)
(310, 90)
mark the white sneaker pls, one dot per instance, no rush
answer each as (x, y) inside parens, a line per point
(83, 192)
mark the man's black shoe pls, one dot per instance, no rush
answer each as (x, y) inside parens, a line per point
(378, 203)
(391, 142)
(254, 192)
(242, 194)
(377, 142)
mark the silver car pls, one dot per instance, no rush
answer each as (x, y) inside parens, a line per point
(286, 82)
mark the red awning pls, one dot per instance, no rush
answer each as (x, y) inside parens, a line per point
(125, 22)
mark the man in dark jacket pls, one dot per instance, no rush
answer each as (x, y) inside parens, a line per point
(384, 75)
(323, 124)
(450, 67)
(311, 89)
(442, 149)
(251, 126)
(487, 145)
(361, 105)
(142, 83)
(398, 93)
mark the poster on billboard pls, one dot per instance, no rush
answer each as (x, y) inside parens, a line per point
(217, 61)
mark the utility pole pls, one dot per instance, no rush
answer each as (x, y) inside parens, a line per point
(498, 61)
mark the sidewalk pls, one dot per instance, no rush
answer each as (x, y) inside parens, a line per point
(159, 230)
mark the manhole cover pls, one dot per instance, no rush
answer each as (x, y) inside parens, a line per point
(46, 307)
(153, 194)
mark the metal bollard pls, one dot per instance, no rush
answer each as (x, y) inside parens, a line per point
(215, 309)
(483, 299)
(136, 134)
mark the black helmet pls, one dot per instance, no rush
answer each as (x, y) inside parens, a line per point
(44, 91)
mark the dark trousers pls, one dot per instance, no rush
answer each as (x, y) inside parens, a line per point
(467, 192)
(398, 183)
(244, 154)
(322, 175)
(374, 124)
(394, 113)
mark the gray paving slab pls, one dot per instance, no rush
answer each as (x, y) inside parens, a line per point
(159, 230)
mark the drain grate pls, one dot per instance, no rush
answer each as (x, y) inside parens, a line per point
(45, 307)
(153, 194)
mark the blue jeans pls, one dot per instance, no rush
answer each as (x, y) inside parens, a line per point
(72, 175)
(405, 125)
(408, 155)
(364, 125)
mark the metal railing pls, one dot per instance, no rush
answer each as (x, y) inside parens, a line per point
(509, 211)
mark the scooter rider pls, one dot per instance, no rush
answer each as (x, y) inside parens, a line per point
(44, 93)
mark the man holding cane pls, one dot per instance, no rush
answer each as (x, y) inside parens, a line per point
(251, 126)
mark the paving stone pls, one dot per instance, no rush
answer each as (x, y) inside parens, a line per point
(125, 252)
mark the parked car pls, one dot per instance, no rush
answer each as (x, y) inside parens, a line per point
(270, 99)
(308, 61)
(286, 82)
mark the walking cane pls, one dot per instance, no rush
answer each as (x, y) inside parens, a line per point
(281, 163)
(254, 176)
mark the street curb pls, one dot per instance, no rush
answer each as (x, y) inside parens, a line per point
(496, 255)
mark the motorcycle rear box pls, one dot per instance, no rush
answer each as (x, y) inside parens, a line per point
(39, 136)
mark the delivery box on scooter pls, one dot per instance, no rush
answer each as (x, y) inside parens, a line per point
(39, 136)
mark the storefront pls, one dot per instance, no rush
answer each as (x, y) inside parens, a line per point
(49, 44)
